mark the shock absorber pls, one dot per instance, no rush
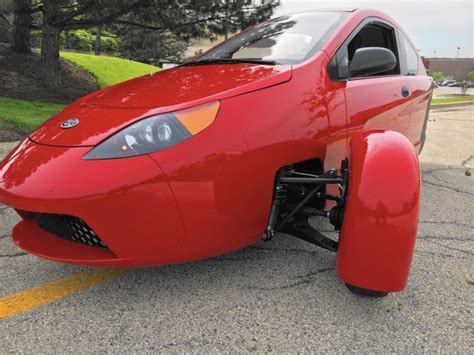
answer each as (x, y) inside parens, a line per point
(279, 198)
(336, 215)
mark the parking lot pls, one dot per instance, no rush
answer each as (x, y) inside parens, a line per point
(280, 296)
(446, 91)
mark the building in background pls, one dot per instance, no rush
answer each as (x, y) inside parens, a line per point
(451, 68)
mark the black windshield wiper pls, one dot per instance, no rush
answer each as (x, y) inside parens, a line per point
(229, 61)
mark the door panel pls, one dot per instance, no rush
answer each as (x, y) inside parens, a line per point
(378, 103)
(420, 93)
(420, 86)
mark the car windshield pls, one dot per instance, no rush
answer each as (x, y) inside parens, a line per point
(283, 40)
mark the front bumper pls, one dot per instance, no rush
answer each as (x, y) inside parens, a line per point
(127, 202)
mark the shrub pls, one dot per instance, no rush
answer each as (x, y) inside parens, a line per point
(438, 76)
(84, 40)
(109, 43)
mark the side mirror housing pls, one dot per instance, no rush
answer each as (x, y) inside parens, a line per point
(372, 60)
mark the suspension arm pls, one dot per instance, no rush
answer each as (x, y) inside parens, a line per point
(294, 218)
(311, 180)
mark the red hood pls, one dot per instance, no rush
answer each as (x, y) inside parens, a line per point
(107, 111)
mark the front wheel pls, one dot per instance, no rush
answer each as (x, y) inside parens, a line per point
(366, 293)
(381, 212)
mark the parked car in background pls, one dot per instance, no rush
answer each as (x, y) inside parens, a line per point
(448, 82)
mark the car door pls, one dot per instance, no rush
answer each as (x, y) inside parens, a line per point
(379, 101)
(420, 88)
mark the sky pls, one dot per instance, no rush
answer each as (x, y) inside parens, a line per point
(439, 26)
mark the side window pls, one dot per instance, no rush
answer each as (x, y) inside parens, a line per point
(411, 57)
(373, 34)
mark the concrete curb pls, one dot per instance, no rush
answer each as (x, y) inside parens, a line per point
(457, 104)
(6, 147)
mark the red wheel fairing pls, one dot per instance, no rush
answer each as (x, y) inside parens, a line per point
(381, 215)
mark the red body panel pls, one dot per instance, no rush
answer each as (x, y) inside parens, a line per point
(123, 212)
(109, 110)
(381, 214)
(420, 89)
(212, 193)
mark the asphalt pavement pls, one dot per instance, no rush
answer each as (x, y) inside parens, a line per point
(447, 91)
(281, 296)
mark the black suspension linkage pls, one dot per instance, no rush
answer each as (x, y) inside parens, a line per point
(294, 219)
(298, 207)
(301, 229)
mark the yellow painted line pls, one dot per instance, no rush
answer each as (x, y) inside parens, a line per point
(47, 293)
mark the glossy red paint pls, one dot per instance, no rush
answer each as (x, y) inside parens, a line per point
(115, 203)
(212, 193)
(108, 111)
(381, 215)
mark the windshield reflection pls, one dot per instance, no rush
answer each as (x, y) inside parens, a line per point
(285, 40)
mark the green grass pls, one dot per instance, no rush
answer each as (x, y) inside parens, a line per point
(26, 115)
(109, 70)
(452, 100)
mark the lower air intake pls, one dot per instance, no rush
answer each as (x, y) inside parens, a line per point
(67, 227)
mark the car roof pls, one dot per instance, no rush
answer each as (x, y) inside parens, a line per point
(315, 11)
(337, 9)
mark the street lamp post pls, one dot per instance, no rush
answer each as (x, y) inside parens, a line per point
(457, 56)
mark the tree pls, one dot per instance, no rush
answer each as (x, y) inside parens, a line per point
(176, 19)
(470, 75)
(98, 33)
(22, 27)
(150, 46)
(438, 76)
(163, 36)
(50, 44)
(181, 19)
(6, 20)
(23, 11)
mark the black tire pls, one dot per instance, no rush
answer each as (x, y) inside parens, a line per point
(366, 293)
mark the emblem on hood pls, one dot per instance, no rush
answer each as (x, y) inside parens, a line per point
(73, 122)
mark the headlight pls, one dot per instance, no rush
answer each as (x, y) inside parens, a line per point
(155, 133)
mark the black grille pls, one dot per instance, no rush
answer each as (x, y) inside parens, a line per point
(69, 228)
